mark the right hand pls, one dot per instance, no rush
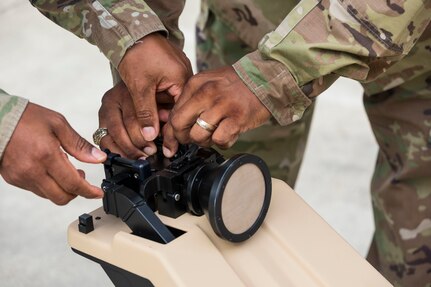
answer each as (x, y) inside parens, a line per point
(151, 66)
(35, 157)
(118, 115)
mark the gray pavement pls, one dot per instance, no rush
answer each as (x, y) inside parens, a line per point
(53, 68)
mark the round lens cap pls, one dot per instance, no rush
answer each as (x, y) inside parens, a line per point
(239, 197)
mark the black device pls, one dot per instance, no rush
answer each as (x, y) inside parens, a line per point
(235, 193)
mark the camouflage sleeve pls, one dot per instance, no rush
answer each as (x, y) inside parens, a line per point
(169, 12)
(11, 109)
(320, 40)
(112, 25)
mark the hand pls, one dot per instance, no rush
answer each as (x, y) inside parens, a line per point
(34, 158)
(220, 98)
(154, 65)
(118, 115)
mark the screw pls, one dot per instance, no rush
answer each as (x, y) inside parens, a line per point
(177, 197)
(136, 176)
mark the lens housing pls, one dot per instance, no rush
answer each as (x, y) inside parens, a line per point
(235, 195)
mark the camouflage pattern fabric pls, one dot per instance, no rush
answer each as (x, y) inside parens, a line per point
(11, 109)
(113, 25)
(401, 186)
(320, 40)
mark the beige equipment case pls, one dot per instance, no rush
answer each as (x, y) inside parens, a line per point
(294, 247)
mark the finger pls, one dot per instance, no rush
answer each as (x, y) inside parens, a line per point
(52, 191)
(164, 115)
(69, 179)
(188, 65)
(108, 143)
(178, 78)
(199, 134)
(135, 135)
(188, 91)
(146, 112)
(112, 117)
(170, 144)
(226, 134)
(133, 130)
(183, 118)
(81, 173)
(165, 103)
(164, 98)
(74, 144)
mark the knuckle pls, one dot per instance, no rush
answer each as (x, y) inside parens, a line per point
(106, 97)
(206, 89)
(225, 140)
(219, 140)
(128, 118)
(144, 115)
(80, 143)
(194, 82)
(44, 153)
(58, 120)
(11, 177)
(74, 188)
(61, 199)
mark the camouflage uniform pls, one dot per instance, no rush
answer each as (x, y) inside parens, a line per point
(11, 109)
(386, 45)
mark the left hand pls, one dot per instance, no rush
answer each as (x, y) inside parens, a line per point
(220, 98)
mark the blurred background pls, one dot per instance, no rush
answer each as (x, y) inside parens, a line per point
(53, 68)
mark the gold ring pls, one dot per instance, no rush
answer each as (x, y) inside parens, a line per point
(99, 134)
(206, 126)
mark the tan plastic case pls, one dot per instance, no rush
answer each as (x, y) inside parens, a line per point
(294, 247)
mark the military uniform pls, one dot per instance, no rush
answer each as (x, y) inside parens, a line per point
(286, 61)
(11, 109)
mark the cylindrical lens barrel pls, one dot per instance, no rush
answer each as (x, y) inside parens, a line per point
(235, 195)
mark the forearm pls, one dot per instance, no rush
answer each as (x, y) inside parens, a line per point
(113, 25)
(321, 40)
(11, 109)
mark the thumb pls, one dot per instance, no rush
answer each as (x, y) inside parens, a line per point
(77, 146)
(146, 112)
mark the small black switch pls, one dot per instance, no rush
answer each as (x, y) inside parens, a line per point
(86, 223)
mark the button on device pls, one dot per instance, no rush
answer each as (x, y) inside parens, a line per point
(86, 223)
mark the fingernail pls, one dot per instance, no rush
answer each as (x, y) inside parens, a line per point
(149, 150)
(149, 133)
(167, 152)
(98, 154)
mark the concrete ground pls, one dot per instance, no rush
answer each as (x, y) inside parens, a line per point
(53, 68)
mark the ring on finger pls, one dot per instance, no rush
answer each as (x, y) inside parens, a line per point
(99, 134)
(206, 126)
